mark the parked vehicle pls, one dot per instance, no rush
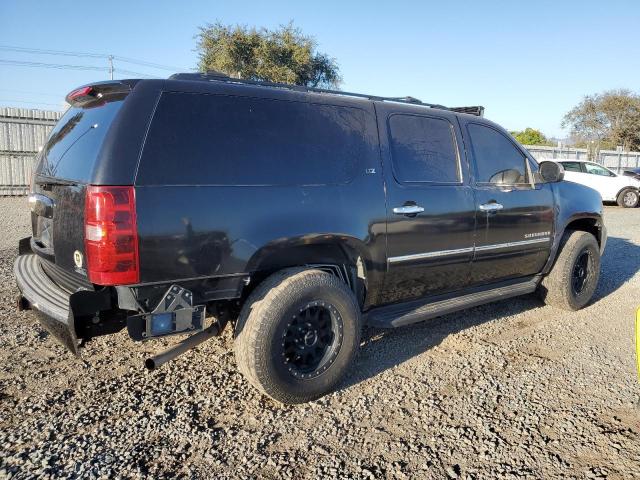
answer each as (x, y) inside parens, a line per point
(633, 173)
(172, 206)
(622, 189)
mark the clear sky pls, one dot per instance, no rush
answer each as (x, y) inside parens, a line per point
(527, 62)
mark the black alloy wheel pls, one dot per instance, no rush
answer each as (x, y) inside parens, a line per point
(581, 272)
(312, 339)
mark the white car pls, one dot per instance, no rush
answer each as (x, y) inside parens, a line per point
(612, 187)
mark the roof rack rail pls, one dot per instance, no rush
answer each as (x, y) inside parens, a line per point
(478, 111)
(213, 75)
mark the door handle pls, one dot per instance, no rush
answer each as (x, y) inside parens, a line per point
(408, 210)
(491, 207)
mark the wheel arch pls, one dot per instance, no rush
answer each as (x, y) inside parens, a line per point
(592, 224)
(328, 252)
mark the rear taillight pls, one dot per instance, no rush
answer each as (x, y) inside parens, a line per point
(111, 235)
(80, 93)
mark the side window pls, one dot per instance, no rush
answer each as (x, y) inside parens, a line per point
(423, 149)
(571, 166)
(497, 160)
(597, 170)
(207, 139)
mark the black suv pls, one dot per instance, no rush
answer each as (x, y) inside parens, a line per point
(174, 206)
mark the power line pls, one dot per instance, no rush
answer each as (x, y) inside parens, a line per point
(50, 52)
(51, 65)
(41, 51)
(61, 66)
(131, 72)
(150, 64)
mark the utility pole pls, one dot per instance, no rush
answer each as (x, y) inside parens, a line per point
(110, 58)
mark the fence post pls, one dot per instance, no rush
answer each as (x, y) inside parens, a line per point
(619, 162)
(10, 169)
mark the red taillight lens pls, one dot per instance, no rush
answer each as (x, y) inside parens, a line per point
(111, 235)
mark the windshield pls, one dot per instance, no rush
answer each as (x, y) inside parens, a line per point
(72, 148)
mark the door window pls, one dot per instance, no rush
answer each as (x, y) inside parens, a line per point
(423, 149)
(498, 161)
(597, 170)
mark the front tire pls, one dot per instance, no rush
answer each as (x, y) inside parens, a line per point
(574, 276)
(628, 198)
(297, 334)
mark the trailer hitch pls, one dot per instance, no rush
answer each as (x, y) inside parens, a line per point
(188, 343)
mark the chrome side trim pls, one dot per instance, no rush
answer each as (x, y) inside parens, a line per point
(440, 253)
(512, 244)
(445, 253)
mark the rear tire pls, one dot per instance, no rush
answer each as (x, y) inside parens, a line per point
(574, 276)
(297, 334)
(628, 198)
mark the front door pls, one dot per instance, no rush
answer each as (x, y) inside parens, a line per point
(514, 216)
(430, 208)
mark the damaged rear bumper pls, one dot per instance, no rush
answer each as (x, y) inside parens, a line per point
(42, 294)
(69, 316)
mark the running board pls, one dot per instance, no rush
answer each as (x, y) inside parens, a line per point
(398, 315)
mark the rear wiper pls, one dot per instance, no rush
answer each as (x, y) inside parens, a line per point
(48, 181)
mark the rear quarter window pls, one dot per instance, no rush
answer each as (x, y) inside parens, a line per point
(206, 139)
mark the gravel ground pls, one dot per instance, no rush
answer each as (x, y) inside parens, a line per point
(512, 389)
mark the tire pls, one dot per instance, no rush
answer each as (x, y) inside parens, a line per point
(628, 198)
(293, 310)
(562, 288)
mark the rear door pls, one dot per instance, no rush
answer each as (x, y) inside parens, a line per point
(430, 208)
(64, 167)
(514, 224)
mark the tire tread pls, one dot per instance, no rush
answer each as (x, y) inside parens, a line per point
(254, 323)
(555, 288)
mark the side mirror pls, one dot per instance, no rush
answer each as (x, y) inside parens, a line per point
(551, 172)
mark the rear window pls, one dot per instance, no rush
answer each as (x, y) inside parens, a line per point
(72, 148)
(203, 139)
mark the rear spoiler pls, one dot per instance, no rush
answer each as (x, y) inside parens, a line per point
(478, 111)
(98, 93)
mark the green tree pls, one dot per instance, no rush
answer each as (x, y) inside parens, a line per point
(531, 136)
(606, 120)
(282, 55)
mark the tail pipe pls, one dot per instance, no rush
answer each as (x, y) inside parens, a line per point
(187, 344)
